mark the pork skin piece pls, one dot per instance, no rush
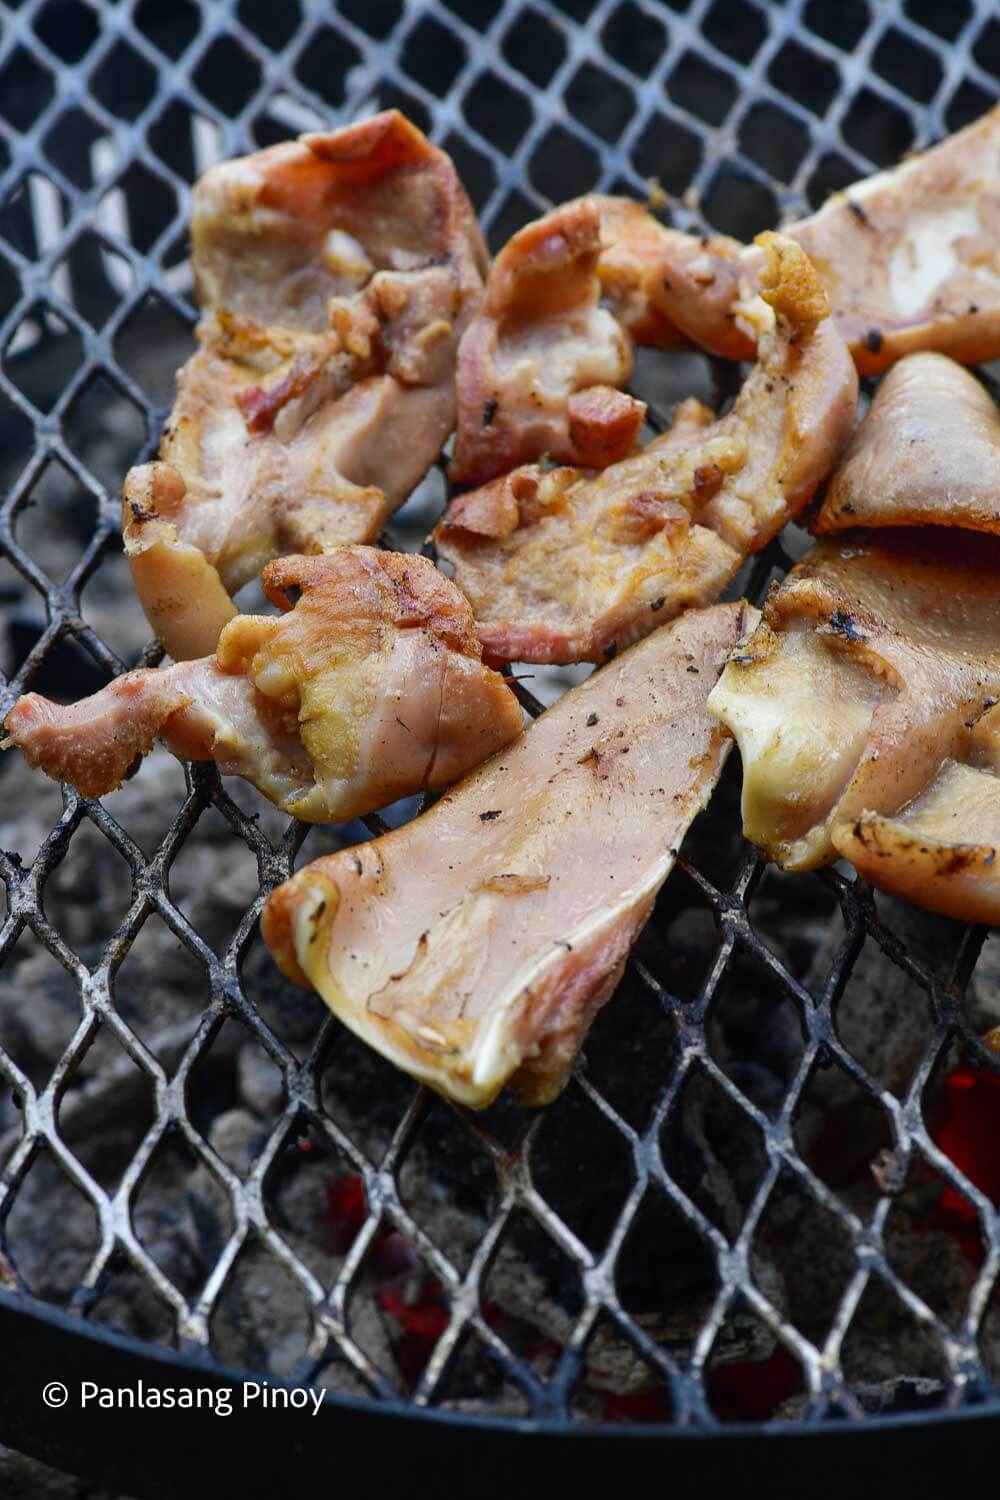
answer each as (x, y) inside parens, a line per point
(927, 453)
(910, 259)
(539, 366)
(336, 275)
(473, 946)
(567, 565)
(370, 688)
(864, 705)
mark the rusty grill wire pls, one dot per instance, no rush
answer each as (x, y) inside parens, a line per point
(745, 111)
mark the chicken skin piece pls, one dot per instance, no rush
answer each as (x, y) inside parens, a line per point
(473, 946)
(910, 259)
(566, 565)
(369, 688)
(865, 708)
(927, 453)
(336, 275)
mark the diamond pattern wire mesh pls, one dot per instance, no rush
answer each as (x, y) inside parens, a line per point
(744, 111)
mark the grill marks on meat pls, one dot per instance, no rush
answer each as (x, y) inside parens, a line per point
(370, 688)
(909, 259)
(865, 710)
(539, 367)
(474, 945)
(336, 275)
(928, 452)
(567, 565)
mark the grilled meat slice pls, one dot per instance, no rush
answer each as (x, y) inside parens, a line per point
(909, 259)
(565, 566)
(927, 453)
(539, 366)
(474, 945)
(865, 710)
(336, 275)
(369, 688)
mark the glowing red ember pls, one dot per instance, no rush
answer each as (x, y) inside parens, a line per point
(347, 1209)
(421, 1322)
(753, 1390)
(968, 1133)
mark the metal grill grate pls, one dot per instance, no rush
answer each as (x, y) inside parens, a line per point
(745, 111)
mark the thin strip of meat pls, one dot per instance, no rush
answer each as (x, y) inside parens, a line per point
(474, 945)
(539, 367)
(865, 707)
(369, 688)
(927, 453)
(336, 275)
(909, 258)
(564, 565)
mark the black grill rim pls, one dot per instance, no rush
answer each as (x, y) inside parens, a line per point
(408, 1452)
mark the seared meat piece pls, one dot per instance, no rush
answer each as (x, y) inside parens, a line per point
(910, 260)
(567, 298)
(336, 274)
(474, 946)
(565, 566)
(538, 368)
(631, 249)
(941, 850)
(369, 688)
(865, 710)
(199, 709)
(635, 249)
(927, 453)
(676, 288)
